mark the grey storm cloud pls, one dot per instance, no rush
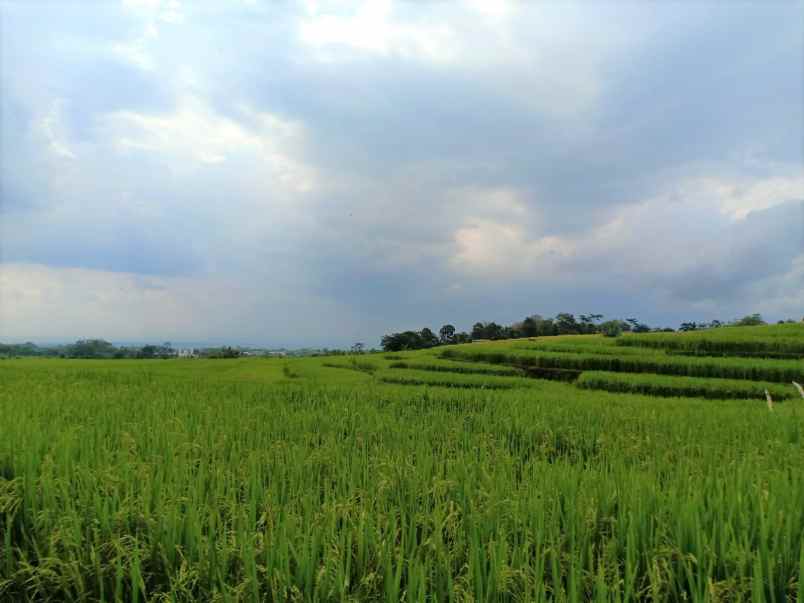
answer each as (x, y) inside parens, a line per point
(763, 246)
(391, 165)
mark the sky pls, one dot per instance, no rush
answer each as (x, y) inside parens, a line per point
(321, 173)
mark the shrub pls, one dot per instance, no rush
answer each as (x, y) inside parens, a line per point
(612, 328)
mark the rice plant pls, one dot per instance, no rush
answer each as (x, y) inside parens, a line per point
(448, 366)
(754, 369)
(784, 341)
(664, 385)
(229, 481)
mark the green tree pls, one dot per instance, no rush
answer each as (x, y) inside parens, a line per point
(462, 337)
(636, 326)
(428, 338)
(566, 324)
(612, 328)
(528, 327)
(752, 320)
(479, 331)
(91, 348)
(396, 342)
(446, 334)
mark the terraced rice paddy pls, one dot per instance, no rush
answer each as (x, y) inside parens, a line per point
(441, 378)
(754, 369)
(406, 477)
(781, 340)
(663, 385)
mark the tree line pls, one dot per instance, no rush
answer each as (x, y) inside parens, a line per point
(563, 323)
(89, 348)
(100, 349)
(532, 326)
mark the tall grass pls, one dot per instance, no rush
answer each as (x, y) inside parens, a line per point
(777, 371)
(354, 364)
(445, 378)
(136, 485)
(583, 348)
(773, 341)
(448, 366)
(664, 385)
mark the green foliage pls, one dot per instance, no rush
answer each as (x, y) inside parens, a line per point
(778, 371)
(409, 476)
(165, 351)
(532, 326)
(752, 320)
(25, 349)
(355, 364)
(223, 352)
(91, 348)
(787, 339)
(535, 326)
(208, 481)
(407, 340)
(557, 345)
(664, 385)
(428, 338)
(566, 324)
(612, 328)
(452, 379)
(636, 326)
(446, 334)
(488, 330)
(447, 366)
(413, 340)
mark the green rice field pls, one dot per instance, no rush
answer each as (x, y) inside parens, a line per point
(575, 468)
(785, 340)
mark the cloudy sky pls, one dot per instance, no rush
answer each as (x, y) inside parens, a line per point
(323, 173)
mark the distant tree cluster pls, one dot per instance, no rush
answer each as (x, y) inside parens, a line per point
(26, 349)
(83, 348)
(750, 320)
(532, 326)
(224, 352)
(418, 340)
(100, 349)
(563, 323)
(91, 348)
